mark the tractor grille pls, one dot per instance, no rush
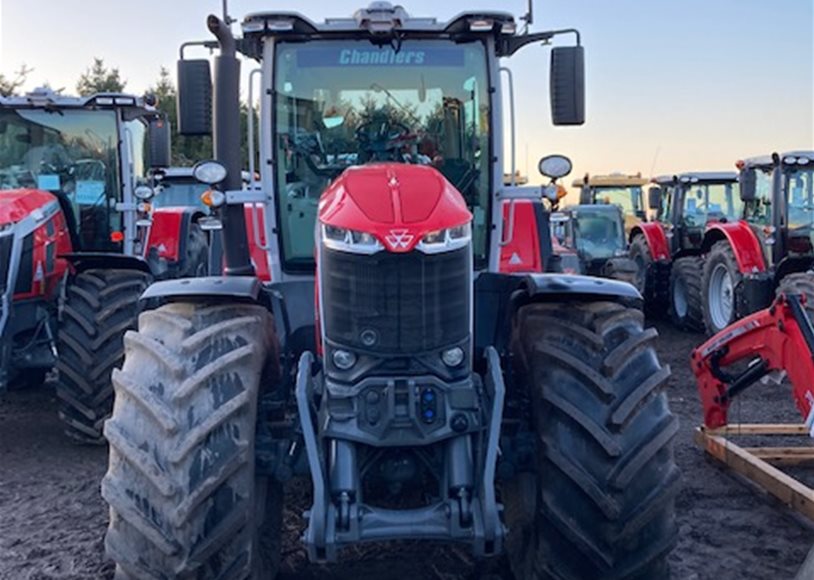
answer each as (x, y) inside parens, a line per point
(408, 303)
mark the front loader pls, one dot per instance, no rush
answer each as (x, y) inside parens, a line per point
(78, 243)
(428, 385)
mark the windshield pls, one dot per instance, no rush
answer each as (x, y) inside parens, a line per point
(343, 103)
(627, 198)
(800, 193)
(706, 202)
(72, 153)
(599, 234)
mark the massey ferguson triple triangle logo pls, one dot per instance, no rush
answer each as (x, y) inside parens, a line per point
(399, 239)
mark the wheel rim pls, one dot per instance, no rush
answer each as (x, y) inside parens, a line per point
(639, 277)
(721, 296)
(680, 299)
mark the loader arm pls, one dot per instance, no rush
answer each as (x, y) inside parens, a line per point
(777, 339)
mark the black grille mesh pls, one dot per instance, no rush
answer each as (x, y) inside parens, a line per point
(412, 302)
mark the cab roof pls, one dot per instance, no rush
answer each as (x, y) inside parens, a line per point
(697, 177)
(46, 98)
(765, 161)
(611, 180)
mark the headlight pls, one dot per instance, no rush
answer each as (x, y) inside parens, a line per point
(446, 240)
(346, 240)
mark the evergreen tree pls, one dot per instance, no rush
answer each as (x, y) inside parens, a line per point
(100, 79)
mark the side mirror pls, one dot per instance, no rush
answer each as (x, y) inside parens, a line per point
(748, 184)
(194, 97)
(567, 85)
(160, 142)
(654, 196)
(554, 166)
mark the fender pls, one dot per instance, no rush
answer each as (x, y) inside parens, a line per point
(245, 288)
(744, 243)
(82, 261)
(656, 238)
(169, 232)
(526, 244)
(498, 296)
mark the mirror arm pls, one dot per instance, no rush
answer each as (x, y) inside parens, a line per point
(210, 44)
(511, 45)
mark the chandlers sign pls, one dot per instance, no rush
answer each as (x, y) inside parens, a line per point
(344, 56)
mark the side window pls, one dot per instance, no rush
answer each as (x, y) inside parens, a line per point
(666, 210)
(759, 211)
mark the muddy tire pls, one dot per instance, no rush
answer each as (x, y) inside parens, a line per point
(602, 506)
(802, 284)
(720, 281)
(648, 280)
(196, 262)
(622, 269)
(184, 498)
(100, 306)
(686, 308)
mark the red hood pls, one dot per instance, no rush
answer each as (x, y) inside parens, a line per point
(387, 198)
(16, 204)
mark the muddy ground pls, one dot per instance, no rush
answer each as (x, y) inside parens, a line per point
(52, 519)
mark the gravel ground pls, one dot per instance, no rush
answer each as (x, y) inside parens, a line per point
(52, 518)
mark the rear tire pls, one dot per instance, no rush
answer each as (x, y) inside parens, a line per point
(197, 253)
(181, 485)
(602, 506)
(720, 282)
(686, 308)
(802, 284)
(648, 280)
(100, 306)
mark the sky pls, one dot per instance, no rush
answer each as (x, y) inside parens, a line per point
(672, 85)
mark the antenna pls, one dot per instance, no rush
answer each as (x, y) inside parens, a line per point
(655, 158)
(529, 16)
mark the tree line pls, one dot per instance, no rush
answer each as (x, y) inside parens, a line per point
(99, 78)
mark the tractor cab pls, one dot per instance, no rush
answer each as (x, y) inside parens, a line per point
(778, 195)
(90, 153)
(624, 191)
(687, 203)
(596, 232)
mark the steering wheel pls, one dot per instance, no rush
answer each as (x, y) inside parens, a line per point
(380, 138)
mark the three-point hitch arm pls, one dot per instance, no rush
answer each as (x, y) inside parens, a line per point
(780, 338)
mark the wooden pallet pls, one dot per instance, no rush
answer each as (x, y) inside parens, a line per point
(758, 463)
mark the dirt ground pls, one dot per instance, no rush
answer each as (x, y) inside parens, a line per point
(52, 519)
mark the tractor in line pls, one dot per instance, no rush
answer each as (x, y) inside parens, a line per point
(79, 242)
(405, 353)
(668, 251)
(624, 191)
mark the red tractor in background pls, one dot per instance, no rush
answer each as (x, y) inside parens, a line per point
(668, 250)
(430, 385)
(77, 245)
(768, 252)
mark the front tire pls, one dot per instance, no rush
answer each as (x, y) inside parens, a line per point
(686, 308)
(184, 499)
(720, 281)
(601, 506)
(100, 306)
(801, 284)
(196, 262)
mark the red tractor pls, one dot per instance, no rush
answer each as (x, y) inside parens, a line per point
(428, 385)
(76, 245)
(669, 250)
(769, 252)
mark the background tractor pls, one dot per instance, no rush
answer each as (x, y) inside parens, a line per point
(669, 250)
(768, 252)
(618, 189)
(596, 233)
(77, 246)
(437, 391)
